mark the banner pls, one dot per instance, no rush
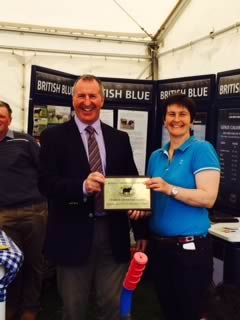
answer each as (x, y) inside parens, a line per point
(228, 84)
(227, 110)
(200, 87)
(202, 90)
(51, 85)
(127, 92)
(50, 100)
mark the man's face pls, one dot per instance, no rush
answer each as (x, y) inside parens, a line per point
(5, 120)
(87, 101)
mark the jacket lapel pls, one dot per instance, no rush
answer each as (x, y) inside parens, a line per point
(109, 144)
(78, 149)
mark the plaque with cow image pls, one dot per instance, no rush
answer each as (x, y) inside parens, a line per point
(126, 193)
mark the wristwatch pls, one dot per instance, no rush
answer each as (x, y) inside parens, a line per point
(174, 192)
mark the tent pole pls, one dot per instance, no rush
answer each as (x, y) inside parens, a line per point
(170, 20)
(153, 52)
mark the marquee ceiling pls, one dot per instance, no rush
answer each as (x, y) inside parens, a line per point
(122, 16)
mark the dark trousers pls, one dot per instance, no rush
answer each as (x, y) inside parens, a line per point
(101, 271)
(181, 277)
(26, 227)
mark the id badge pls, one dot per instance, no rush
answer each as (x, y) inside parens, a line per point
(189, 246)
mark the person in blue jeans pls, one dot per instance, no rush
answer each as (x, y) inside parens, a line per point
(184, 179)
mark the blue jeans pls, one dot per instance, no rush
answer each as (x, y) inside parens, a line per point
(100, 272)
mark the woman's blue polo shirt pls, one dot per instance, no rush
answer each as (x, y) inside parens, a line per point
(171, 217)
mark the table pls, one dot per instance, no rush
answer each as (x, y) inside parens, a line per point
(226, 246)
(228, 231)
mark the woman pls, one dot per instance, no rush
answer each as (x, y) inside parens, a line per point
(185, 176)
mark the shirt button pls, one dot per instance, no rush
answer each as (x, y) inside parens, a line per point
(90, 215)
(85, 199)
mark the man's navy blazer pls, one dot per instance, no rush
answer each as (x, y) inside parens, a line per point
(63, 168)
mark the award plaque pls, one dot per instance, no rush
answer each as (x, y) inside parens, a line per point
(126, 193)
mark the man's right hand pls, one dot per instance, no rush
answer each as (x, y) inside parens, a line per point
(94, 182)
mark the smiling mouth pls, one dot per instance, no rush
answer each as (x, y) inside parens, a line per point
(87, 109)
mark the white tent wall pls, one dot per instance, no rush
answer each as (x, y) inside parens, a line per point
(12, 86)
(204, 39)
(19, 51)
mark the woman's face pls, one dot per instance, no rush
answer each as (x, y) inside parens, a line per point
(178, 121)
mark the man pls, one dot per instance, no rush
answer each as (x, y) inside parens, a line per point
(87, 244)
(22, 214)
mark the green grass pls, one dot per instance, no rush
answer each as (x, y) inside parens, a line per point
(145, 305)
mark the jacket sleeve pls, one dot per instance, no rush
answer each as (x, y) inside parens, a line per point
(54, 178)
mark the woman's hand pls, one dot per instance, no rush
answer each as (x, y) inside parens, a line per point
(160, 185)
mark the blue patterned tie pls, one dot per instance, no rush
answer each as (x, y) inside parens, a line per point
(95, 164)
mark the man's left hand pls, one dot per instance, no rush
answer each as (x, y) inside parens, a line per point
(138, 214)
(141, 245)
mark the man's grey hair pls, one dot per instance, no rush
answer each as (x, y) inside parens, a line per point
(89, 77)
